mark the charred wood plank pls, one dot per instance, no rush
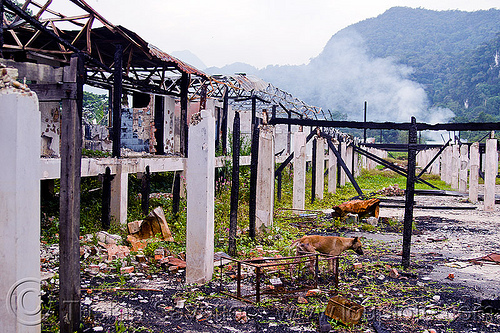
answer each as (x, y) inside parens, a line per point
(235, 185)
(410, 193)
(53, 92)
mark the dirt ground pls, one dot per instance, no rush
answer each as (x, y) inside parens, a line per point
(455, 236)
(425, 299)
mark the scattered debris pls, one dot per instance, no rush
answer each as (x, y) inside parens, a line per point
(392, 191)
(451, 276)
(143, 232)
(492, 257)
(344, 310)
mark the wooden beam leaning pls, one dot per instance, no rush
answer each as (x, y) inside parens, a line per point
(69, 226)
(342, 164)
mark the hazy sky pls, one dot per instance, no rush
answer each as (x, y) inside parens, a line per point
(257, 32)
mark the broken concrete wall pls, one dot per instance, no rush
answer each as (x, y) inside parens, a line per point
(33, 73)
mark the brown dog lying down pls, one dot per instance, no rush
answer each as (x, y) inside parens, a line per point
(332, 245)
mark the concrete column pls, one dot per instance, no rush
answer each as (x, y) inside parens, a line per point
(343, 154)
(119, 195)
(265, 179)
(20, 212)
(490, 173)
(332, 172)
(320, 167)
(348, 161)
(443, 167)
(449, 164)
(200, 176)
(455, 166)
(299, 170)
(474, 172)
(464, 164)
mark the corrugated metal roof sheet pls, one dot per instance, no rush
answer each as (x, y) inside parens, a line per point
(250, 82)
(186, 68)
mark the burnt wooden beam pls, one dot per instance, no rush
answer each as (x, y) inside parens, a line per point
(159, 125)
(387, 125)
(342, 164)
(176, 194)
(145, 190)
(225, 110)
(106, 199)
(54, 92)
(235, 185)
(2, 10)
(313, 171)
(254, 160)
(184, 112)
(390, 165)
(69, 207)
(254, 111)
(117, 101)
(434, 158)
(409, 193)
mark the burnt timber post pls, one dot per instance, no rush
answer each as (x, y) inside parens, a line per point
(159, 119)
(69, 226)
(225, 107)
(184, 111)
(410, 192)
(235, 185)
(313, 169)
(117, 100)
(145, 190)
(106, 199)
(1, 28)
(176, 193)
(254, 160)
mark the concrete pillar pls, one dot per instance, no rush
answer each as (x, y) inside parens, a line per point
(455, 166)
(119, 195)
(265, 179)
(449, 165)
(343, 154)
(464, 165)
(320, 168)
(299, 170)
(490, 173)
(332, 172)
(200, 177)
(443, 166)
(20, 212)
(474, 172)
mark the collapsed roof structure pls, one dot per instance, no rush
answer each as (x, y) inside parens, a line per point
(39, 32)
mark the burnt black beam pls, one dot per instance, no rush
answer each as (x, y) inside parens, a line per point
(342, 164)
(391, 166)
(176, 194)
(433, 159)
(145, 190)
(254, 110)
(254, 159)
(117, 100)
(225, 107)
(313, 171)
(410, 193)
(399, 146)
(159, 125)
(38, 25)
(387, 125)
(106, 199)
(69, 205)
(235, 185)
(183, 118)
(2, 9)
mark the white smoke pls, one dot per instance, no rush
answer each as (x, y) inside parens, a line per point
(345, 76)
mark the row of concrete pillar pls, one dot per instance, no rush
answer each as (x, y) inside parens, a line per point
(459, 166)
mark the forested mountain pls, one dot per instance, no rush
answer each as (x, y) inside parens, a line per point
(435, 65)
